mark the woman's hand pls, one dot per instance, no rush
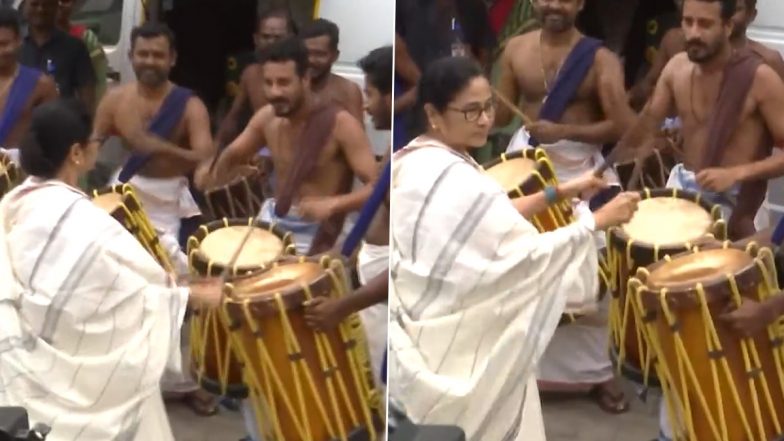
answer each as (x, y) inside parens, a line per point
(585, 186)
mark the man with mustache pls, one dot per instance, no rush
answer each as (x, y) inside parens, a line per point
(574, 89)
(322, 37)
(273, 25)
(674, 42)
(21, 88)
(730, 104)
(316, 148)
(167, 130)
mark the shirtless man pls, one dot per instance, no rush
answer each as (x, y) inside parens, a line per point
(322, 37)
(536, 69)
(164, 153)
(30, 88)
(674, 42)
(319, 196)
(373, 259)
(273, 25)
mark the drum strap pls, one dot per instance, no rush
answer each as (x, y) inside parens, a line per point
(738, 78)
(311, 142)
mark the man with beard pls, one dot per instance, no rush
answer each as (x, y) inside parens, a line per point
(574, 88)
(674, 42)
(21, 88)
(316, 148)
(56, 53)
(373, 258)
(321, 38)
(729, 103)
(273, 25)
(167, 129)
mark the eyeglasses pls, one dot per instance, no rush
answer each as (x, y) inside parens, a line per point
(473, 112)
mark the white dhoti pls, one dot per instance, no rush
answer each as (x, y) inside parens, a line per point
(12, 154)
(302, 231)
(577, 354)
(372, 261)
(166, 201)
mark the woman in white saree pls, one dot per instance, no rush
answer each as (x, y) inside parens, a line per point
(88, 319)
(476, 292)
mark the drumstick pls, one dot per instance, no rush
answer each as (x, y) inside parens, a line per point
(516, 110)
(233, 261)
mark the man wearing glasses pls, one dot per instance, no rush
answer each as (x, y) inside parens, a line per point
(573, 88)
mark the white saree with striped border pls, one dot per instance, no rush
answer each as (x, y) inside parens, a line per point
(88, 320)
(476, 294)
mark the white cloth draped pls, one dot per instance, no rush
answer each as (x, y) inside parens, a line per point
(88, 319)
(475, 296)
(373, 260)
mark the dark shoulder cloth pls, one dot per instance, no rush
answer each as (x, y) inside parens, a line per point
(736, 83)
(163, 124)
(572, 74)
(21, 91)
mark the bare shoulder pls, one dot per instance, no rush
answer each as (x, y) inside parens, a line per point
(344, 120)
(345, 84)
(520, 43)
(44, 83)
(678, 64)
(251, 72)
(606, 58)
(766, 81)
(195, 108)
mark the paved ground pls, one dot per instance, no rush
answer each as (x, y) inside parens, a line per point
(572, 420)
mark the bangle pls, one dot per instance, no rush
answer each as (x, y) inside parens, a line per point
(550, 195)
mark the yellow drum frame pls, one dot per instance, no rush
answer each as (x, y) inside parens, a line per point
(758, 404)
(623, 255)
(559, 215)
(135, 220)
(269, 394)
(209, 332)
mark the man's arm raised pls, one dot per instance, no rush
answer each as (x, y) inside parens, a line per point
(242, 149)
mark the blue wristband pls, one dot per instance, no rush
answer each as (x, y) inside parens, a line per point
(550, 195)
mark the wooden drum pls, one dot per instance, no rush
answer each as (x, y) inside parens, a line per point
(525, 173)
(305, 385)
(667, 222)
(528, 172)
(10, 175)
(717, 384)
(241, 197)
(121, 203)
(214, 363)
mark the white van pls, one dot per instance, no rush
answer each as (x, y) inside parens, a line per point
(768, 29)
(364, 25)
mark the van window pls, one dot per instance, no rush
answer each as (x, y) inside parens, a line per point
(104, 17)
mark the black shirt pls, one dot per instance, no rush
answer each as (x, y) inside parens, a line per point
(63, 56)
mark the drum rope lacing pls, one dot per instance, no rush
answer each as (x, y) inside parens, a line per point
(620, 270)
(676, 399)
(211, 322)
(302, 376)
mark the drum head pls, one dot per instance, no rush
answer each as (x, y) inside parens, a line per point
(511, 173)
(668, 221)
(702, 267)
(279, 279)
(262, 247)
(108, 201)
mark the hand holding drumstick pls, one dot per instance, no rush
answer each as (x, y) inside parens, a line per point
(544, 131)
